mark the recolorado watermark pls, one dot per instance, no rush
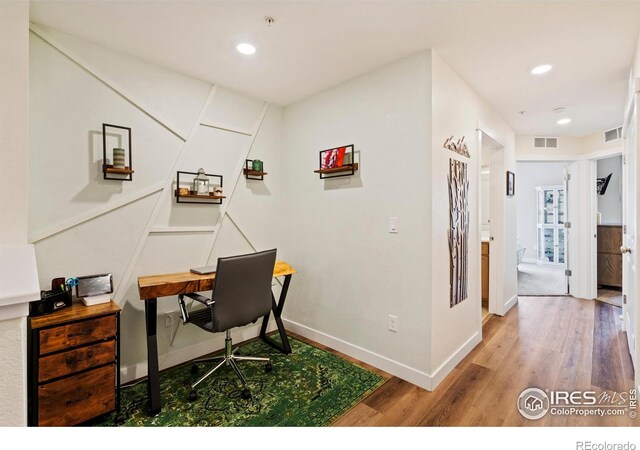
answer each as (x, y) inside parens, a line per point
(588, 445)
(534, 404)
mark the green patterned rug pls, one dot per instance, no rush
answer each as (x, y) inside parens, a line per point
(309, 387)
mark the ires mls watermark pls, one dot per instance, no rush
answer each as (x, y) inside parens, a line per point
(534, 403)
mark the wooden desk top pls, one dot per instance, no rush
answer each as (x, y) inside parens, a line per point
(154, 286)
(76, 311)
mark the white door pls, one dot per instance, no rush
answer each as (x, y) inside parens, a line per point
(629, 271)
(580, 233)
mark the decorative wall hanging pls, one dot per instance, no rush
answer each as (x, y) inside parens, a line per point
(459, 146)
(602, 183)
(197, 187)
(458, 231)
(254, 169)
(511, 183)
(120, 151)
(337, 162)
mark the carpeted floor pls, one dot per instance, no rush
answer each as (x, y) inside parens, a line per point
(541, 279)
(309, 387)
(612, 296)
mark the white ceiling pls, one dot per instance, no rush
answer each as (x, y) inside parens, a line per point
(317, 44)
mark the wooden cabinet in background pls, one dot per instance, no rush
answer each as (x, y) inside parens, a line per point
(485, 274)
(609, 255)
(73, 364)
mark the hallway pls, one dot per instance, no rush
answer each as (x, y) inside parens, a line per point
(559, 343)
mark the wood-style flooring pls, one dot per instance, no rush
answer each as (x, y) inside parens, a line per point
(545, 342)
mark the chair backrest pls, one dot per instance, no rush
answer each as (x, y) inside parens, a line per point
(242, 289)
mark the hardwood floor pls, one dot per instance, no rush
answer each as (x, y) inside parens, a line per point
(545, 342)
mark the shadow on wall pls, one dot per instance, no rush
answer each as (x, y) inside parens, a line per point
(98, 189)
(257, 187)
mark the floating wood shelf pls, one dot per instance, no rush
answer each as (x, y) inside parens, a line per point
(254, 173)
(251, 174)
(110, 169)
(206, 197)
(345, 168)
(189, 195)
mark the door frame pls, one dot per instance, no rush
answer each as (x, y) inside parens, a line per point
(496, 208)
(631, 111)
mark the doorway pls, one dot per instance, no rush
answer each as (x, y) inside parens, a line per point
(541, 233)
(490, 211)
(609, 230)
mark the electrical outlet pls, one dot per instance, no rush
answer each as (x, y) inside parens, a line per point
(168, 319)
(393, 323)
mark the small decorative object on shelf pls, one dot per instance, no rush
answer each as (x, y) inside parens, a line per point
(337, 162)
(201, 183)
(196, 187)
(254, 169)
(120, 168)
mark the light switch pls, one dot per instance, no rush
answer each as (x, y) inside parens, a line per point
(393, 224)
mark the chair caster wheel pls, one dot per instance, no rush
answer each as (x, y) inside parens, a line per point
(193, 396)
(194, 369)
(268, 367)
(246, 394)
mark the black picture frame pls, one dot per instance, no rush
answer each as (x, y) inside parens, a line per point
(192, 197)
(348, 168)
(108, 171)
(511, 184)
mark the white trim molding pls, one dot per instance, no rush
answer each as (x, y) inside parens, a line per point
(446, 367)
(171, 359)
(48, 38)
(510, 304)
(400, 370)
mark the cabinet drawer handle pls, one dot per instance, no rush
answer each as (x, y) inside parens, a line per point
(72, 360)
(82, 333)
(71, 402)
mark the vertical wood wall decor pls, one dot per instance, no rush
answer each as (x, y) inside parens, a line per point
(458, 230)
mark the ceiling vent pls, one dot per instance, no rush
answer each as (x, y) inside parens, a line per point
(612, 135)
(545, 142)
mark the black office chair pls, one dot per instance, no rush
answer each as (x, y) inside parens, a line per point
(241, 295)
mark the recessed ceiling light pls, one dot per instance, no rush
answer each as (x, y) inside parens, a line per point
(542, 68)
(246, 49)
(564, 121)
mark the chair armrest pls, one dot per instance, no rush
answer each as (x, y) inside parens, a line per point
(200, 298)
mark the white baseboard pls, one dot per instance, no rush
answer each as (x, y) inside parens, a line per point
(381, 362)
(139, 370)
(510, 304)
(445, 368)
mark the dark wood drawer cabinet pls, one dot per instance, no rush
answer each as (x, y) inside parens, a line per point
(609, 255)
(74, 364)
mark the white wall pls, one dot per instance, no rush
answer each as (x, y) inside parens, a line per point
(14, 122)
(459, 111)
(352, 273)
(610, 204)
(82, 224)
(531, 175)
(398, 117)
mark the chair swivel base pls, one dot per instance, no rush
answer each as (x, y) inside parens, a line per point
(230, 358)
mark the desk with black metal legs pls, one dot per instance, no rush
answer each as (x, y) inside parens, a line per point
(154, 286)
